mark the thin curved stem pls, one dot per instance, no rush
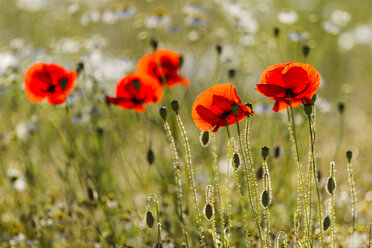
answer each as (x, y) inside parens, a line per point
(246, 173)
(312, 141)
(190, 173)
(217, 188)
(297, 159)
(238, 186)
(176, 169)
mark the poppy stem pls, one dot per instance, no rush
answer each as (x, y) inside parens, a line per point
(155, 198)
(217, 188)
(267, 187)
(250, 183)
(210, 200)
(312, 141)
(333, 216)
(292, 130)
(353, 194)
(190, 173)
(176, 169)
(237, 184)
(250, 160)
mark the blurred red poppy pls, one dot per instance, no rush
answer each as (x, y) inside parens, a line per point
(212, 108)
(136, 89)
(49, 81)
(298, 80)
(163, 65)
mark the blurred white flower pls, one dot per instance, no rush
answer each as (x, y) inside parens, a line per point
(23, 129)
(7, 61)
(73, 8)
(248, 40)
(32, 5)
(331, 28)
(340, 17)
(96, 41)
(192, 9)
(298, 36)
(90, 17)
(17, 44)
(17, 179)
(287, 17)
(346, 41)
(109, 17)
(105, 68)
(67, 45)
(125, 12)
(193, 35)
(155, 21)
(195, 20)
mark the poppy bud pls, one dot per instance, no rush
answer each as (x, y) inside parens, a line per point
(341, 107)
(265, 198)
(208, 211)
(158, 245)
(154, 44)
(276, 31)
(90, 193)
(313, 98)
(236, 161)
(249, 105)
(175, 106)
(150, 156)
(331, 185)
(235, 108)
(204, 138)
(318, 175)
(137, 84)
(264, 152)
(80, 67)
(180, 60)
(305, 50)
(108, 103)
(276, 152)
(349, 155)
(219, 49)
(326, 223)
(308, 109)
(149, 219)
(163, 113)
(231, 73)
(259, 173)
(99, 131)
(63, 83)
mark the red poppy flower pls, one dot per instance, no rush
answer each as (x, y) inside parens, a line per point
(213, 107)
(49, 81)
(299, 80)
(163, 65)
(136, 89)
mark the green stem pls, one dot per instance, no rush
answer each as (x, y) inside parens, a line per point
(210, 200)
(217, 188)
(190, 172)
(250, 160)
(267, 187)
(297, 158)
(246, 174)
(238, 186)
(353, 194)
(157, 213)
(312, 141)
(176, 169)
(333, 237)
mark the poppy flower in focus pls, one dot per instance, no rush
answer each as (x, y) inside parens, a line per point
(298, 80)
(163, 65)
(212, 108)
(49, 81)
(136, 89)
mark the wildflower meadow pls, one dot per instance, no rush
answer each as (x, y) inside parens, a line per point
(185, 123)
